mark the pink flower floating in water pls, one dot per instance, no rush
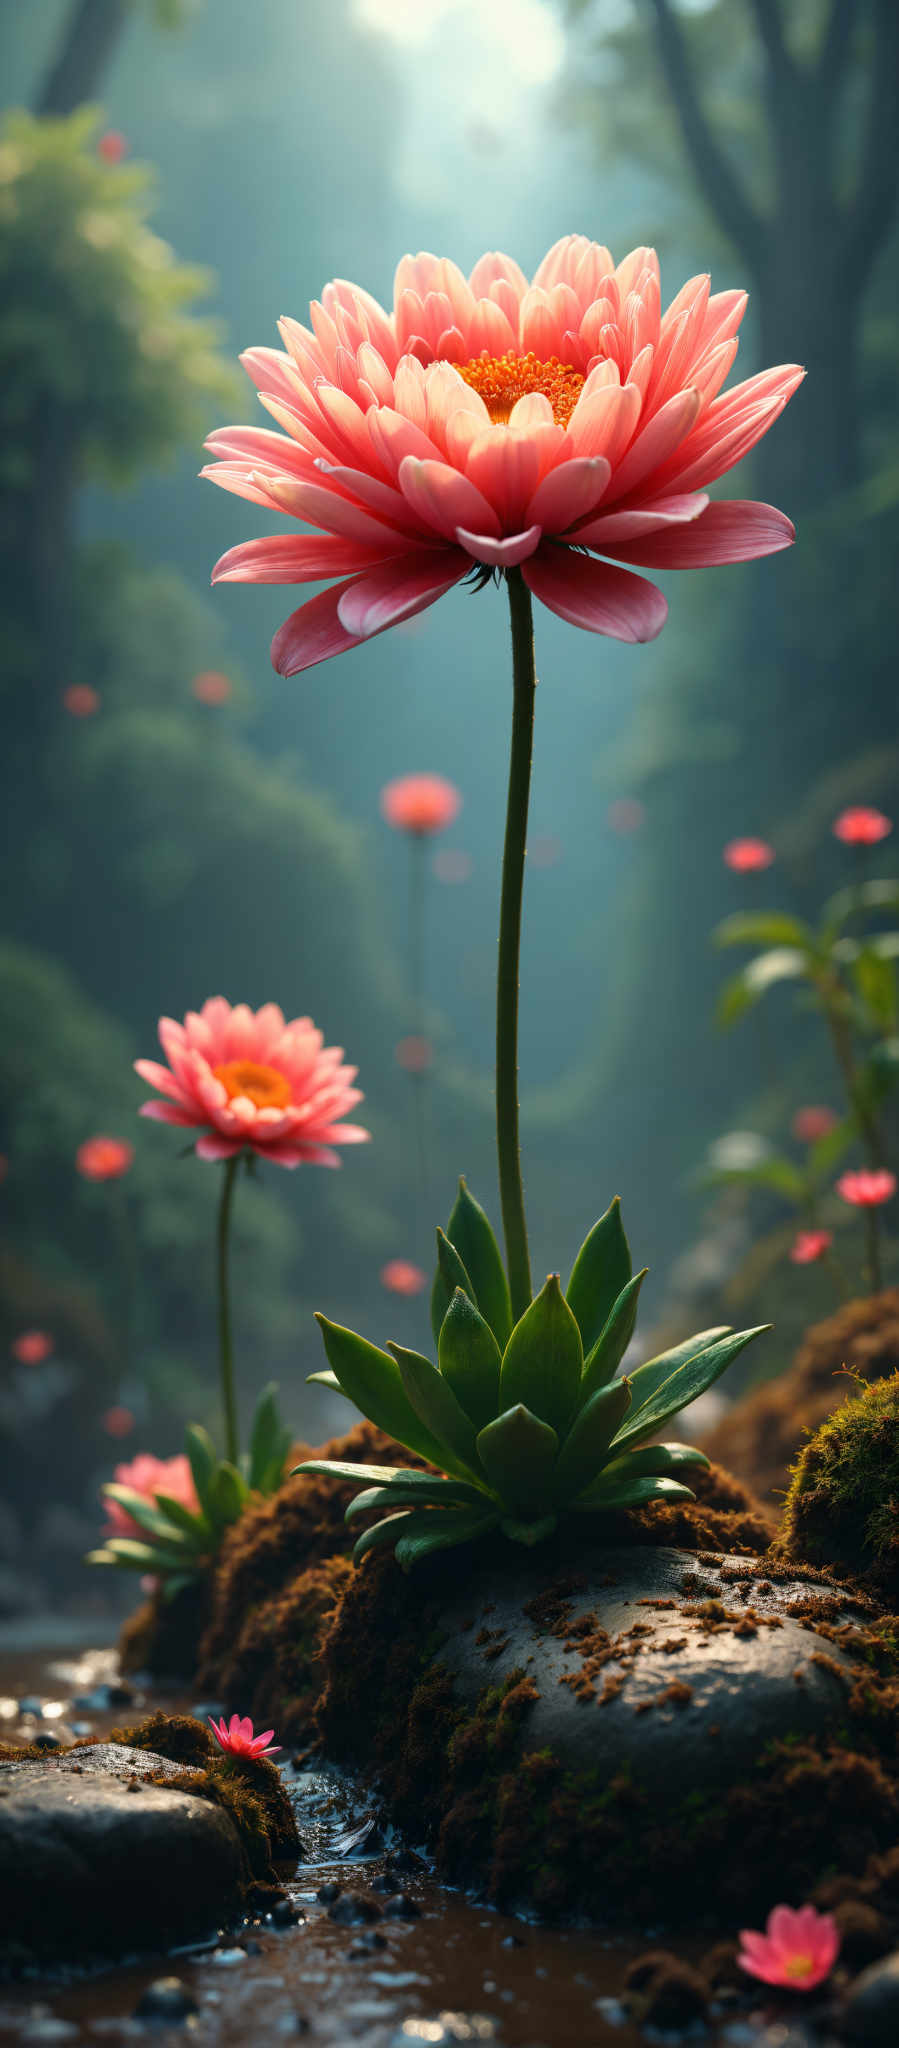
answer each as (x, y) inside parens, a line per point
(487, 421)
(810, 1246)
(867, 1188)
(148, 1476)
(32, 1347)
(236, 1738)
(103, 1158)
(813, 1123)
(862, 826)
(399, 1276)
(212, 687)
(420, 803)
(748, 856)
(797, 1950)
(80, 701)
(254, 1080)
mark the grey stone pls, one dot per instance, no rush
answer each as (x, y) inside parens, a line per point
(871, 2012)
(165, 2001)
(87, 1868)
(688, 1692)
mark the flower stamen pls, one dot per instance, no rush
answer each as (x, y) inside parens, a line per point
(264, 1086)
(502, 380)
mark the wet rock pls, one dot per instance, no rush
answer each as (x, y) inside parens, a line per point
(445, 2030)
(88, 1868)
(328, 1894)
(664, 1992)
(47, 2027)
(285, 1914)
(166, 2001)
(366, 1946)
(354, 1909)
(864, 1933)
(401, 1907)
(871, 2012)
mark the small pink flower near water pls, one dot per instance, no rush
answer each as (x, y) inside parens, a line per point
(212, 687)
(236, 1738)
(748, 856)
(415, 1054)
(399, 1276)
(102, 1158)
(861, 825)
(814, 1122)
(32, 1347)
(797, 1950)
(251, 1079)
(80, 701)
(112, 146)
(565, 423)
(422, 804)
(149, 1476)
(810, 1246)
(117, 1421)
(868, 1187)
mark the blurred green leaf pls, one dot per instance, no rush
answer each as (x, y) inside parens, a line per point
(875, 981)
(762, 928)
(862, 896)
(781, 963)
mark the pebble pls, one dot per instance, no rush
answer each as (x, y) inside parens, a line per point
(445, 2030)
(401, 1907)
(354, 1909)
(328, 1894)
(46, 2027)
(31, 1705)
(285, 1914)
(228, 1956)
(366, 1946)
(166, 2000)
(871, 2012)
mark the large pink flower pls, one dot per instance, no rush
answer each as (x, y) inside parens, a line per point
(486, 422)
(148, 1476)
(254, 1080)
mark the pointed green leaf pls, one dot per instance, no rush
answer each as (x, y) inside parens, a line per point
(761, 928)
(432, 1493)
(518, 1453)
(439, 1529)
(434, 1401)
(859, 896)
(202, 1459)
(381, 1535)
(646, 1379)
(133, 1556)
(529, 1533)
(469, 1359)
(600, 1271)
(145, 1514)
(194, 1526)
(662, 1461)
(780, 963)
(327, 1379)
(450, 1274)
(685, 1385)
(269, 1443)
(337, 1468)
(613, 1340)
(371, 1378)
(470, 1232)
(105, 1557)
(543, 1360)
(584, 1451)
(228, 1495)
(631, 1493)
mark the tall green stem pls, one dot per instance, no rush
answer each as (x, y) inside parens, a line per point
(872, 1242)
(226, 1351)
(417, 979)
(508, 1144)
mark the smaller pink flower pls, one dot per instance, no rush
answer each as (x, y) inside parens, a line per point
(420, 803)
(32, 1347)
(867, 1188)
(112, 146)
(104, 1158)
(119, 1421)
(809, 1246)
(797, 1950)
(236, 1738)
(813, 1123)
(748, 856)
(861, 825)
(626, 815)
(415, 1054)
(399, 1276)
(212, 687)
(149, 1476)
(80, 701)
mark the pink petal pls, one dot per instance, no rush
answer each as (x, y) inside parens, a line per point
(445, 500)
(654, 443)
(218, 1148)
(169, 1113)
(160, 1077)
(595, 595)
(298, 558)
(313, 633)
(397, 590)
(501, 554)
(568, 492)
(613, 529)
(505, 466)
(332, 510)
(730, 530)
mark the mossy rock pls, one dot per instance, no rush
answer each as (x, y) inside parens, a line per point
(842, 1509)
(249, 1789)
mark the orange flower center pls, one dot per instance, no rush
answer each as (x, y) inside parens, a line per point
(502, 380)
(263, 1085)
(799, 1966)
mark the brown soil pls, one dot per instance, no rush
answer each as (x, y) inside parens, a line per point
(763, 1432)
(161, 1636)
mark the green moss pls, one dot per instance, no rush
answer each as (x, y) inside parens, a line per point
(250, 1790)
(842, 1509)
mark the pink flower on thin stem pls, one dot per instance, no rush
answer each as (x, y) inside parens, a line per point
(422, 804)
(149, 1476)
(212, 687)
(861, 825)
(103, 1158)
(80, 701)
(493, 421)
(251, 1079)
(32, 1347)
(797, 1950)
(119, 1421)
(748, 856)
(810, 1246)
(236, 1738)
(867, 1187)
(813, 1123)
(399, 1276)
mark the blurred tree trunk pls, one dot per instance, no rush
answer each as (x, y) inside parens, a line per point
(89, 38)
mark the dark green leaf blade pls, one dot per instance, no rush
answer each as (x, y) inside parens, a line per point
(600, 1271)
(761, 928)
(612, 1343)
(202, 1459)
(470, 1231)
(143, 1512)
(543, 1360)
(433, 1493)
(631, 1493)
(439, 1529)
(451, 1273)
(469, 1359)
(646, 1379)
(685, 1385)
(518, 1453)
(585, 1449)
(434, 1401)
(662, 1461)
(371, 1378)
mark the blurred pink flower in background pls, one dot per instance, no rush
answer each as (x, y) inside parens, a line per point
(32, 1347)
(813, 1123)
(81, 701)
(797, 1950)
(212, 687)
(112, 146)
(102, 1158)
(117, 1421)
(809, 1246)
(862, 826)
(236, 1738)
(491, 421)
(867, 1188)
(544, 851)
(625, 815)
(452, 864)
(748, 856)
(415, 1054)
(420, 803)
(251, 1079)
(399, 1276)
(148, 1476)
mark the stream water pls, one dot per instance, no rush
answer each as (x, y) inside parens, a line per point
(456, 1972)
